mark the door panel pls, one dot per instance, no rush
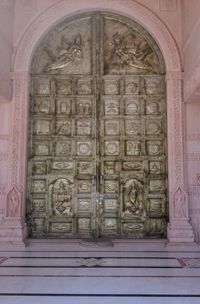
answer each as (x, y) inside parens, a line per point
(97, 133)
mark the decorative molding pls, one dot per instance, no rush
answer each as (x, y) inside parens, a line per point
(194, 190)
(194, 212)
(174, 75)
(193, 156)
(193, 137)
(57, 12)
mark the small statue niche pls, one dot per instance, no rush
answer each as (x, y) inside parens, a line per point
(133, 198)
(61, 197)
(179, 203)
(13, 203)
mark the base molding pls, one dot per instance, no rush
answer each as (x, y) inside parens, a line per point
(13, 232)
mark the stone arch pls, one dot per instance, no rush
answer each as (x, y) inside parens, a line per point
(178, 231)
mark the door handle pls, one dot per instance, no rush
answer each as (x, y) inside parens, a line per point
(101, 180)
(93, 180)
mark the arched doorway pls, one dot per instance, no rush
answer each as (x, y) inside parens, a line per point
(97, 131)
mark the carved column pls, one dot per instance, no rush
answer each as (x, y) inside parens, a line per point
(179, 228)
(13, 227)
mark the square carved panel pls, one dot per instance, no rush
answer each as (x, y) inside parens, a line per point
(39, 186)
(83, 127)
(42, 86)
(41, 148)
(133, 147)
(112, 147)
(84, 87)
(111, 127)
(132, 106)
(111, 87)
(84, 148)
(63, 148)
(85, 167)
(111, 106)
(132, 127)
(111, 186)
(83, 106)
(63, 106)
(132, 85)
(64, 86)
(63, 127)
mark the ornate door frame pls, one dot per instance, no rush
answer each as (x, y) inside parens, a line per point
(13, 227)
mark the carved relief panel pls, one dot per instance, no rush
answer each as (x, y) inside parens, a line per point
(97, 138)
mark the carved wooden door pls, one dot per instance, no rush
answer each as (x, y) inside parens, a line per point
(97, 138)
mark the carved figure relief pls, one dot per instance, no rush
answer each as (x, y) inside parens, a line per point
(13, 203)
(67, 52)
(64, 86)
(97, 159)
(179, 202)
(133, 198)
(61, 192)
(130, 50)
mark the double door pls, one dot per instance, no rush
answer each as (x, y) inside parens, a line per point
(97, 138)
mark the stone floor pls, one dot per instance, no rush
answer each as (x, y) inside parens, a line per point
(104, 271)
